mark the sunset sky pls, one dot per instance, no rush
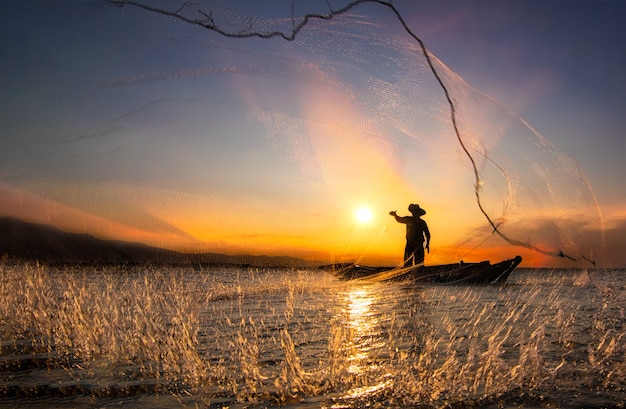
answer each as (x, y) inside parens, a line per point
(127, 124)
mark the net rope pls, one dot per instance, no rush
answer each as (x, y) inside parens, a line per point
(475, 149)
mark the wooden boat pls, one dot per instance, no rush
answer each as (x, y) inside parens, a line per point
(460, 273)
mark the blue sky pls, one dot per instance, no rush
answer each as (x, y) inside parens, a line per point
(142, 127)
(558, 64)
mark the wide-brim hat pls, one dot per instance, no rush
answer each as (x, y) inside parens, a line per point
(416, 210)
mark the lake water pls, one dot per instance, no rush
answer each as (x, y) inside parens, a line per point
(247, 338)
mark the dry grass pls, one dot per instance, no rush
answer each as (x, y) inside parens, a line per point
(251, 337)
(105, 319)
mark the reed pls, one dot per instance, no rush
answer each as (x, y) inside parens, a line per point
(249, 336)
(102, 320)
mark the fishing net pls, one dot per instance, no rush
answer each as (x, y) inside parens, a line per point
(252, 128)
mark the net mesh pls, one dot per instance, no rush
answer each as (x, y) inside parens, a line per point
(245, 126)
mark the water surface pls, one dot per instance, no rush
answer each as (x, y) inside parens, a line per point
(231, 337)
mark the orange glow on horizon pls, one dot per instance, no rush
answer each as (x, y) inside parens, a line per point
(218, 226)
(337, 159)
(38, 209)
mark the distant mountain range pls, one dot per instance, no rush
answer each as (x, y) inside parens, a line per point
(20, 240)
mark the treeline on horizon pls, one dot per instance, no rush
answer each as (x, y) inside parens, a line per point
(24, 241)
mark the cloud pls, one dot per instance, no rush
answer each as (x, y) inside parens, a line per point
(85, 210)
(615, 256)
(571, 242)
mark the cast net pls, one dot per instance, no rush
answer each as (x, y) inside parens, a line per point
(248, 127)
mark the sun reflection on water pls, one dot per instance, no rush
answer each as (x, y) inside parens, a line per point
(365, 344)
(360, 316)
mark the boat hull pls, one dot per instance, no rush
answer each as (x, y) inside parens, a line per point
(461, 273)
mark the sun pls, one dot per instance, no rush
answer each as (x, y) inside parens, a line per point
(363, 215)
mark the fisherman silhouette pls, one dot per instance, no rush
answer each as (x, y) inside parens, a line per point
(416, 230)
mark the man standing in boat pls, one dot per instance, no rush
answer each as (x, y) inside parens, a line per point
(416, 231)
